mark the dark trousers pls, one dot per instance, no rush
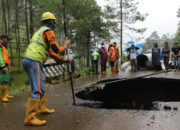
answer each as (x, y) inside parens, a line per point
(166, 62)
(72, 67)
(134, 64)
(111, 63)
(94, 66)
(103, 65)
(117, 67)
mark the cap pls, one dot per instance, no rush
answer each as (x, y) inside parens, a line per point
(5, 36)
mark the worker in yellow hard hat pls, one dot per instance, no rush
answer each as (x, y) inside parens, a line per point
(42, 45)
(112, 57)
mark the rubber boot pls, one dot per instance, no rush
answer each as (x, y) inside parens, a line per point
(111, 71)
(42, 109)
(104, 72)
(3, 94)
(31, 110)
(8, 96)
(114, 70)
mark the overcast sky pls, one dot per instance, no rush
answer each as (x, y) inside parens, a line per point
(162, 15)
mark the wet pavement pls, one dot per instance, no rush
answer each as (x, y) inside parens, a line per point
(87, 115)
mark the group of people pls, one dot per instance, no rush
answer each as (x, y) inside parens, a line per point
(166, 51)
(111, 54)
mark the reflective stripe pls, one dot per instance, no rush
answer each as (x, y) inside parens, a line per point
(37, 40)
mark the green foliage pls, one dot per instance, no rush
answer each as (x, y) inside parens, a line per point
(130, 13)
(85, 71)
(18, 80)
(124, 59)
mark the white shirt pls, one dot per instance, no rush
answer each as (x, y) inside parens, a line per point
(133, 53)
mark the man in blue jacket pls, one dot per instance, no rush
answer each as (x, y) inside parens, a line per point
(156, 57)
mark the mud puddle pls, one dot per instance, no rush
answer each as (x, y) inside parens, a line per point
(139, 93)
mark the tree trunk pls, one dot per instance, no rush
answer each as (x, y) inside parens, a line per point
(31, 19)
(9, 32)
(18, 36)
(16, 28)
(64, 17)
(121, 31)
(27, 24)
(4, 16)
(88, 49)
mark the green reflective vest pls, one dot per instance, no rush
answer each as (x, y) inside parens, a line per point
(38, 50)
(95, 54)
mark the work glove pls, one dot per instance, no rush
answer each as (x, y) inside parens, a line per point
(4, 70)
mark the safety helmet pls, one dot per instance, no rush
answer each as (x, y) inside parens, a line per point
(48, 15)
(111, 44)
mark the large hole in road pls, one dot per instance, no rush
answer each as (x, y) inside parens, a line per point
(139, 93)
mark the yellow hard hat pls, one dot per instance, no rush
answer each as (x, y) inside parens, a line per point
(48, 15)
(111, 44)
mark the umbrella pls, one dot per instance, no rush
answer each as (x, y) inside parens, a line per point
(139, 45)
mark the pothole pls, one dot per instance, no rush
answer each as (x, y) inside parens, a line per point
(139, 93)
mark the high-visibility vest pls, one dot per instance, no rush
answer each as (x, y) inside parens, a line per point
(95, 54)
(38, 50)
(5, 55)
(112, 54)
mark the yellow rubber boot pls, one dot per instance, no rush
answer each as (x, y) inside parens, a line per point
(31, 110)
(114, 70)
(3, 94)
(104, 72)
(111, 71)
(8, 96)
(42, 109)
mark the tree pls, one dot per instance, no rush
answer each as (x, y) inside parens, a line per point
(4, 16)
(26, 18)
(177, 37)
(127, 14)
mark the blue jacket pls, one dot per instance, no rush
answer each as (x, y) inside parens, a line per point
(156, 56)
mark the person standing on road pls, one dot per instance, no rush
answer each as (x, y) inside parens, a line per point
(103, 57)
(112, 57)
(176, 58)
(133, 57)
(166, 54)
(72, 59)
(5, 68)
(94, 53)
(117, 55)
(156, 57)
(43, 44)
